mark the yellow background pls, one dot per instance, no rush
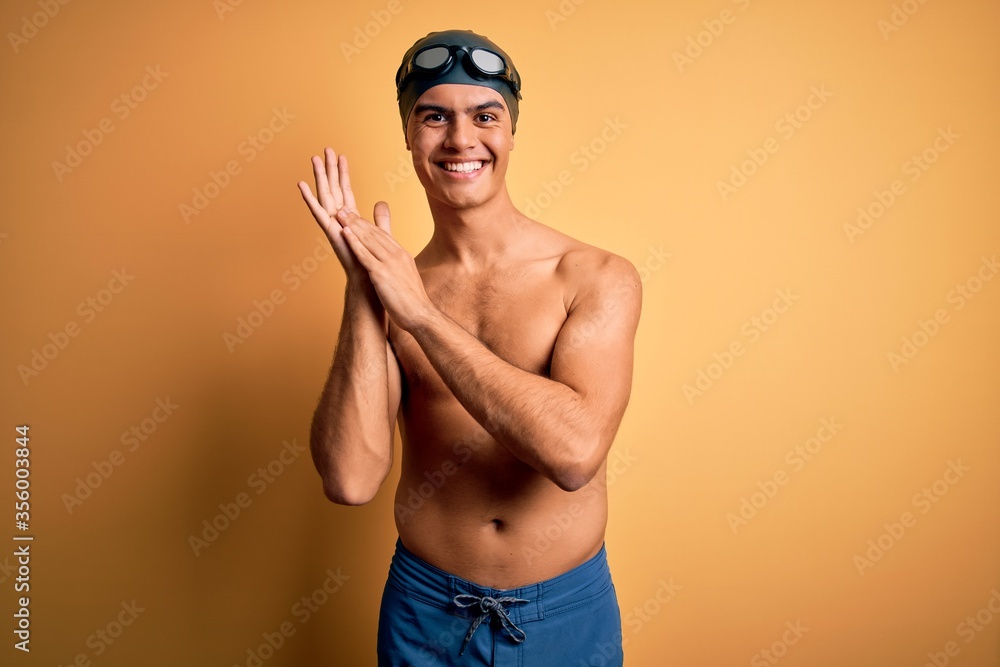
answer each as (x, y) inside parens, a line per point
(686, 462)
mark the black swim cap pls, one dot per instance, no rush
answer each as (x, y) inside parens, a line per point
(463, 65)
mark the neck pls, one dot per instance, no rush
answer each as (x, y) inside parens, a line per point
(478, 237)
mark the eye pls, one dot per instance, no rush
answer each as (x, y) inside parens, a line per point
(434, 118)
(485, 117)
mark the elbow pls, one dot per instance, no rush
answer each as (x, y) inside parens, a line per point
(349, 485)
(341, 495)
(358, 488)
(350, 475)
(578, 469)
(572, 480)
(351, 491)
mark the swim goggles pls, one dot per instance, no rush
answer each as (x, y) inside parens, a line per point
(438, 59)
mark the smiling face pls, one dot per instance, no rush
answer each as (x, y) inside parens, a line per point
(460, 137)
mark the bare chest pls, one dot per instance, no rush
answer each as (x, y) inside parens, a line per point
(517, 317)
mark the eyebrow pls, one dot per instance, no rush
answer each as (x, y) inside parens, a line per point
(492, 104)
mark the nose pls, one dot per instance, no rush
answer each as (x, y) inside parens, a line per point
(461, 134)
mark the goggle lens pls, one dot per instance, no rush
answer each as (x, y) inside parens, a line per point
(487, 62)
(432, 58)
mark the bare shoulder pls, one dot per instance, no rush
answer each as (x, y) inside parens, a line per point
(593, 274)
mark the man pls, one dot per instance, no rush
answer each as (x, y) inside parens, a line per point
(505, 349)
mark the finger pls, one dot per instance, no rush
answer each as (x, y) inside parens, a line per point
(383, 221)
(362, 230)
(378, 242)
(333, 179)
(323, 193)
(317, 209)
(330, 226)
(345, 184)
(343, 250)
(363, 255)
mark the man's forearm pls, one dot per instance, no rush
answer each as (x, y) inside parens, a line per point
(544, 423)
(351, 429)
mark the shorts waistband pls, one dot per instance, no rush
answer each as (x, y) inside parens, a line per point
(419, 579)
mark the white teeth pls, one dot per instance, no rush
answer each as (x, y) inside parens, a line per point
(463, 166)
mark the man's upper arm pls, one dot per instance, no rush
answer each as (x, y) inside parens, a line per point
(593, 354)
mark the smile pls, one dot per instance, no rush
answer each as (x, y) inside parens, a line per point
(462, 167)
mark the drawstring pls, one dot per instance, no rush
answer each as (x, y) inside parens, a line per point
(487, 606)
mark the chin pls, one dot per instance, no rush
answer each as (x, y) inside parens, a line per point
(460, 198)
(461, 203)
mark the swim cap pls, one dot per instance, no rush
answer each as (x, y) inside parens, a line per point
(456, 56)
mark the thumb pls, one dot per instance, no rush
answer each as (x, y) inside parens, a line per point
(381, 215)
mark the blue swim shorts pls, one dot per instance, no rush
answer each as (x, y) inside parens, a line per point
(430, 618)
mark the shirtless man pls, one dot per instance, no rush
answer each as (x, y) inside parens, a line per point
(505, 350)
